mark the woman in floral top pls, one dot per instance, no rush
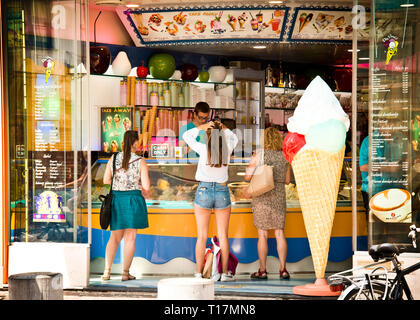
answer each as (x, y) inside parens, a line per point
(129, 211)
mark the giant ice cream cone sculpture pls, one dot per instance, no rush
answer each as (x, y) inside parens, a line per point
(315, 148)
(317, 175)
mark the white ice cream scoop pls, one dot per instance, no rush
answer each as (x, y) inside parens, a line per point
(318, 104)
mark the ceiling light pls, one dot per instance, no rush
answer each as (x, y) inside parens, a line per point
(407, 5)
(259, 47)
(275, 2)
(132, 5)
(351, 50)
(364, 58)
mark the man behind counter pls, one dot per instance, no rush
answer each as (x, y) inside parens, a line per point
(201, 116)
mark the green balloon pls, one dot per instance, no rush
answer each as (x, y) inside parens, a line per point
(329, 136)
(162, 65)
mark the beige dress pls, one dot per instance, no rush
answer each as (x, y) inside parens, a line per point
(269, 209)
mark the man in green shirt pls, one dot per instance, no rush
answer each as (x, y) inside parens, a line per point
(200, 116)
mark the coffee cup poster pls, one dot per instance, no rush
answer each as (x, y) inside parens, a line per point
(392, 205)
(326, 25)
(114, 123)
(207, 25)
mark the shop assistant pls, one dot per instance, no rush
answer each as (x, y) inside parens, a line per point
(200, 117)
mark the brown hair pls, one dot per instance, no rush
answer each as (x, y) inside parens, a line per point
(130, 137)
(273, 139)
(201, 107)
(217, 151)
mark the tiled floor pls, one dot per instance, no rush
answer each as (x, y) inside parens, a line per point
(242, 286)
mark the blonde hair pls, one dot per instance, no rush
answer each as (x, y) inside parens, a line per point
(273, 139)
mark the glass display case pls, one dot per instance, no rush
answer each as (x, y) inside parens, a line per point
(173, 184)
(249, 103)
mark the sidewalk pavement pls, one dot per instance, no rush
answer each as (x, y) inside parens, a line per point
(145, 288)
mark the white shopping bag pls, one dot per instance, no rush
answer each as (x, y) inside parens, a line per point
(215, 275)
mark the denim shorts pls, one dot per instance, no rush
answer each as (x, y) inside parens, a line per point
(211, 195)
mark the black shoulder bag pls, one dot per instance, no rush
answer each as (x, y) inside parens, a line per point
(105, 213)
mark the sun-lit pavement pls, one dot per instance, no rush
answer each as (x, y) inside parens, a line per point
(145, 288)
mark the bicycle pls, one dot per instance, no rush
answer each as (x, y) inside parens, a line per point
(379, 283)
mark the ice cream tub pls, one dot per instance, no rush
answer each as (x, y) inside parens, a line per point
(392, 205)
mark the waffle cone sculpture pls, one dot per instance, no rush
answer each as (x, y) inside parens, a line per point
(314, 146)
(317, 175)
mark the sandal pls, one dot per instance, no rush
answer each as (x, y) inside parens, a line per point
(127, 276)
(259, 275)
(284, 274)
(106, 275)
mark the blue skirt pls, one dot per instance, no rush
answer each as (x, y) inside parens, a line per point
(129, 210)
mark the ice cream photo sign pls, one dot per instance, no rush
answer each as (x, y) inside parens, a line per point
(192, 25)
(326, 24)
(315, 147)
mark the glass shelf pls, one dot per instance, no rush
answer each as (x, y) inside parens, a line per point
(280, 88)
(250, 100)
(164, 80)
(285, 109)
(176, 107)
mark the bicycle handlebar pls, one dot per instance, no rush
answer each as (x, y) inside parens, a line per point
(413, 233)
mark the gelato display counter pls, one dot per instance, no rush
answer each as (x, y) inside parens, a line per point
(168, 245)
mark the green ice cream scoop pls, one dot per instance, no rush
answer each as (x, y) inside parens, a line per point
(329, 136)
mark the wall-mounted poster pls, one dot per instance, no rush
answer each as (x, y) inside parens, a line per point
(115, 121)
(189, 25)
(325, 25)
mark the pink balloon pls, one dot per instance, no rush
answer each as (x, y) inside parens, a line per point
(292, 143)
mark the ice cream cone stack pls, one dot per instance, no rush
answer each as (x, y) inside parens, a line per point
(317, 175)
(145, 125)
(152, 123)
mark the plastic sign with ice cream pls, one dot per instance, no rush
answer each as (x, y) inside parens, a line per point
(391, 44)
(315, 148)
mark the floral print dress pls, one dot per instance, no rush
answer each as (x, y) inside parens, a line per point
(269, 209)
(130, 179)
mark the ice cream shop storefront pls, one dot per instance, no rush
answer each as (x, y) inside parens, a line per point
(338, 80)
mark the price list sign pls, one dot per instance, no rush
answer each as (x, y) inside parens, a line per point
(390, 130)
(47, 113)
(390, 138)
(48, 163)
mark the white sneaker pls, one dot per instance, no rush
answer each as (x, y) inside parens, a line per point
(198, 275)
(227, 277)
(215, 277)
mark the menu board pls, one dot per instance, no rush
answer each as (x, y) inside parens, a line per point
(390, 130)
(47, 112)
(49, 173)
(326, 25)
(152, 27)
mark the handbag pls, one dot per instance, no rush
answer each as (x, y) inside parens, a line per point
(106, 207)
(208, 262)
(232, 260)
(262, 181)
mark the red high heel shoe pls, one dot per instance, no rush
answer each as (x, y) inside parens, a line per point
(259, 275)
(284, 274)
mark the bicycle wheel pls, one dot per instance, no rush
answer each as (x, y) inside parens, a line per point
(354, 293)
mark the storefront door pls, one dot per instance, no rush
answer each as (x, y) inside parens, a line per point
(47, 158)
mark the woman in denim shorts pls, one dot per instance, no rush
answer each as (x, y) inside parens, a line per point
(212, 192)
